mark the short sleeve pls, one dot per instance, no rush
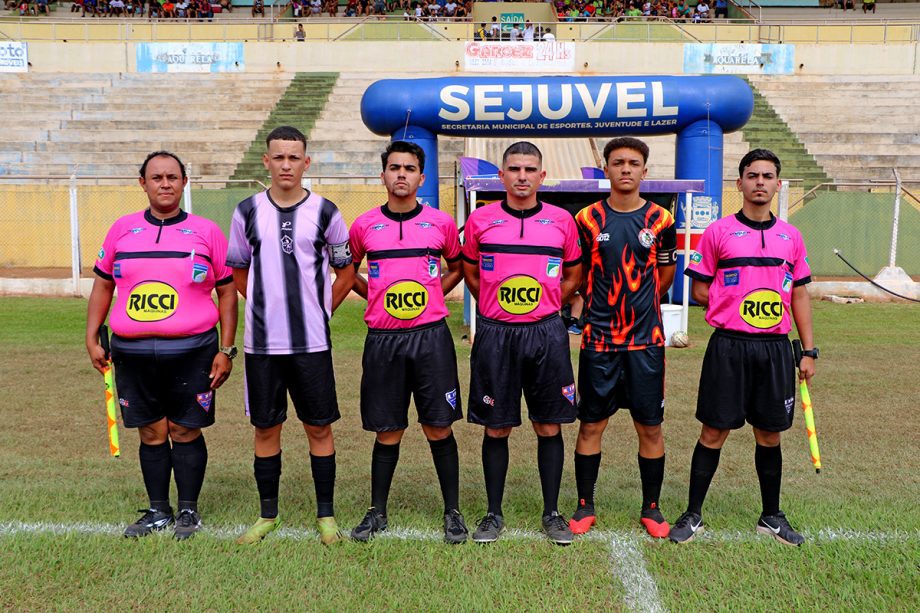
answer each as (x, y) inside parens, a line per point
(571, 251)
(105, 259)
(356, 240)
(666, 254)
(239, 252)
(337, 242)
(471, 239)
(802, 274)
(704, 259)
(223, 274)
(451, 249)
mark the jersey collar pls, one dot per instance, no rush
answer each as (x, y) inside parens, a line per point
(522, 213)
(401, 216)
(182, 216)
(756, 225)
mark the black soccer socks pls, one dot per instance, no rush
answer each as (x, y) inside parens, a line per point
(190, 460)
(651, 472)
(586, 470)
(268, 477)
(769, 464)
(323, 468)
(383, 465)
(156, 466)
(447, 464)
(550, 458)
(702, 469)
(495, 469)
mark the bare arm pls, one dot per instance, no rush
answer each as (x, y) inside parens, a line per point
(801, 313)
(571, 280)
(227, 308)
(471, 276)
(699, 291)
(100, 299)
(453, 276)
(665, 278)
(360, 286)
(241, 280)
(344, 281)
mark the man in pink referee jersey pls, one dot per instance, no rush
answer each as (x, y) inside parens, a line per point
(749, 271)
(409, 349)
(521, 262)
(168, 363)
(282, 244)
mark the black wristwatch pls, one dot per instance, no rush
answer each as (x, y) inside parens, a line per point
(231, 351)
(810, 353)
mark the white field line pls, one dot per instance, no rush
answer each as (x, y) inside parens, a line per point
(627, 561)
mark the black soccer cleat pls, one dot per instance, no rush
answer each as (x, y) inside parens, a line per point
(686, 527)
(490, 528)
(188, 522)
(151, 520)
(557, 530)
(778, 527)
(374, 521)
(455, 531)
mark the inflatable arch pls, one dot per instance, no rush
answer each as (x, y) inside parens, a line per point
(699, 109)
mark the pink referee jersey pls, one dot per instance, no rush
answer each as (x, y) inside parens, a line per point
(753, 267)
(404, 264)
(520, 256)
(164, 272)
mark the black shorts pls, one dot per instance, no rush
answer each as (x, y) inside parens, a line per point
(165, 377)
(611, 380)
(510, 358)
(308, 377)
(419, 361)
(747, 377)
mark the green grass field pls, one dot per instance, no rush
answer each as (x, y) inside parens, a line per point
(64, 502)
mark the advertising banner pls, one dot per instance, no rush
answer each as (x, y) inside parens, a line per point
(541, 57)
(189, 57)
(718, 58)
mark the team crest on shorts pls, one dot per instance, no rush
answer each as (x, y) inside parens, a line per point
(646, 237)
(569, 392)
(451, 398)
(204, 400)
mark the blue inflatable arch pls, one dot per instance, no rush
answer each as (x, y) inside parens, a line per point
(699, 109)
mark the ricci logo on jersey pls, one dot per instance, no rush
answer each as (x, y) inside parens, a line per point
(761, 309)
(519, 294)
(405, 299)
(152, 301)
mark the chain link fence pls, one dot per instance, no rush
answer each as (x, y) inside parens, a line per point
(36, 239)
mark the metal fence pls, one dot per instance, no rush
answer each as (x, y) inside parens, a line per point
(55, 230)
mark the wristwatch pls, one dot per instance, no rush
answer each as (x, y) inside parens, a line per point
(810, 353)
(230, 351)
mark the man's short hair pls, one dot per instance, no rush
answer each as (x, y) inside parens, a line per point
(758, 154)
(157, 154)
(625, 142)
(522, 147)
(286, 133)
(401, 146)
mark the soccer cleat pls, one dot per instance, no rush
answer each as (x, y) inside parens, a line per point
(259, 530)
(490, 528)
(188, 522)
(583, 518)
(557, 529)
(654, 522)
(151, 520)
(455, 531)
(686, 527)
(778, 527)
(374, 521)
(329, 532)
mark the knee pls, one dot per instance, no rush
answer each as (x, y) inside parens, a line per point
(766, 439)
(591, 432)
(498, 432)
(181, 434)
(392, 437)
(546, 429)
(318, 434)
(435, 433)
(713, 437)
(651, 435)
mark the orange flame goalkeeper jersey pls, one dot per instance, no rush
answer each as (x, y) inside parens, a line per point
(621, 253)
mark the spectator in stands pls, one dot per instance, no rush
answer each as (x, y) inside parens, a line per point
(351, 8)
(868, 5)
(299, 34)
(297, 8)
(169, 9)
(450, 9)
(515, 33)
(480, 33)
(226, 5)
(847, 4)
(548, 35)
(41, 6)
(332, 8)
(721, 9)
(528, 32)
(192, 9)
(258, 8)
(205, 10)
(181, 8)
(316, 8)
(632, 12)
(702, 11)
(495, 29)
(76, 7)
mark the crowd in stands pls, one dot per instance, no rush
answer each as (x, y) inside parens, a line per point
(161, 9)
(677, 10)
